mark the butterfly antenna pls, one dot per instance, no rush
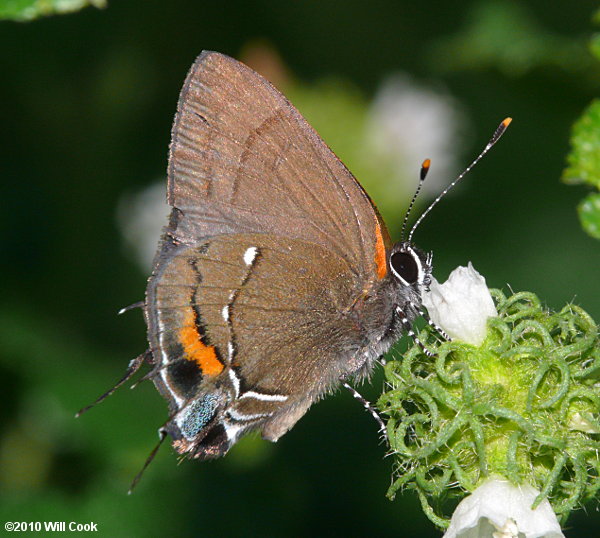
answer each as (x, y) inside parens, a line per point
(495, 137)
(424, 169)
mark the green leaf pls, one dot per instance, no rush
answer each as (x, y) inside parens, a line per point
(589, 214)
(27, 10)
(507, 36)
(595, 45)
(584, 159)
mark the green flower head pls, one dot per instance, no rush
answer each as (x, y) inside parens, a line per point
(514, 397)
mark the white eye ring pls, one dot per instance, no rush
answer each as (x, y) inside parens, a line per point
(407, 267)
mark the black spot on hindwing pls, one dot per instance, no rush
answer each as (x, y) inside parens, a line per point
(186, 376)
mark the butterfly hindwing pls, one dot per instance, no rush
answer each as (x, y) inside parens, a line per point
(251, 330)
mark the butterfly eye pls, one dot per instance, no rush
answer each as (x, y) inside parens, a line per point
(405, 266)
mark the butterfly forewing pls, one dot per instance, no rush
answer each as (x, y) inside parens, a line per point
(243, 160)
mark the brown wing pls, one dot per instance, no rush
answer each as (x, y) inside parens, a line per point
(243, 160)
(283, 321)
(260, 308)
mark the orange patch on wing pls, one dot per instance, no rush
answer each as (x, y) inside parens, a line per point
(380, 253)
(204, 356)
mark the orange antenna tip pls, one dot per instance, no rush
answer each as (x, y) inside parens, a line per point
(495, 137)
(425, 168)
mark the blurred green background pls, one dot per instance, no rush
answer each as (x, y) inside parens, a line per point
(87, 105)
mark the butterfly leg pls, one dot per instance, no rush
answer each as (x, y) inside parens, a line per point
(368, 406)
(437, 328)
(433, 325)
(408, 328)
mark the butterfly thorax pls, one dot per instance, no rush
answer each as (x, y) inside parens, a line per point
(394, 302)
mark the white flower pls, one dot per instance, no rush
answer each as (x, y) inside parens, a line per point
(408, 122)
(462, 305)
(583, 423)
(141, 217)
(498, 509)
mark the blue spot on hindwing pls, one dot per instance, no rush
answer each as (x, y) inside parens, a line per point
(196, 415)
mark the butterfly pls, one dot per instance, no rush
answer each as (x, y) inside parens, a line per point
(275, 279)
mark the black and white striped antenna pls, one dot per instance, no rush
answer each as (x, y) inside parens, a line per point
(425, 167)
